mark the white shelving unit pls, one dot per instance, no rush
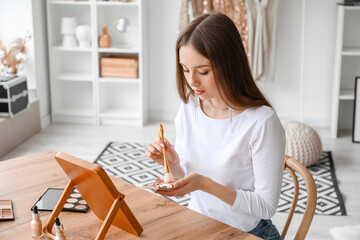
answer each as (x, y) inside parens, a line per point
(78, 93)
(347, 67)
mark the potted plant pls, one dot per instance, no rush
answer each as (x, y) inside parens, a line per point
(12, 58)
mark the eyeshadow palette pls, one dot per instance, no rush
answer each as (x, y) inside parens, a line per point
(6, 210)
(75, 202)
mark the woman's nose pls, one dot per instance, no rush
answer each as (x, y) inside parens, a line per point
(193, 81)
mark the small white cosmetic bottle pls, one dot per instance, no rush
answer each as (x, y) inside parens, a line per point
(36, 225)
(59, 230)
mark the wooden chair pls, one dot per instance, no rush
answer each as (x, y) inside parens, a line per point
(290, 165)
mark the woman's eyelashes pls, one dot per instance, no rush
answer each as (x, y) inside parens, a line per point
(201, 73)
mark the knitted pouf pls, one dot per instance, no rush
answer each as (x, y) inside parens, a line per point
(302, 143)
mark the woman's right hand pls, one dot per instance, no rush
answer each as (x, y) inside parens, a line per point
(154, 151)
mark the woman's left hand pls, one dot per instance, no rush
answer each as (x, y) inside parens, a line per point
(190, 183)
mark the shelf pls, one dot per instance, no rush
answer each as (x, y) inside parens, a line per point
(74, 49)
(70, 2)
(119, 80)
(129, 49)
(75, 76)
(351, 51)
(107, 3)
(99, 3)
(346, 67)
(116, 113)
(346, 94)
(119, 117)
(78, 93)
(75, 111)
(352, 7)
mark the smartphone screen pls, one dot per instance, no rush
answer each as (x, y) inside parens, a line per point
(49, 199)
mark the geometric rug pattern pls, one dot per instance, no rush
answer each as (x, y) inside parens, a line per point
(329, 199)
(127, 161)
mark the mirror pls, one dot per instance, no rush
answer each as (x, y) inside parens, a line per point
(122, 25)
(92, 181)
(117, 30)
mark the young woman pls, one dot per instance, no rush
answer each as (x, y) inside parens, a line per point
(230, 144)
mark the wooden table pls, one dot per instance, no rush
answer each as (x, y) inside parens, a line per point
(25, 179)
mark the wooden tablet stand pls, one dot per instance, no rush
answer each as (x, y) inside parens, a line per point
(100, 194)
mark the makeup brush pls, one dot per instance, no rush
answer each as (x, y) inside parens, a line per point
(168, 176)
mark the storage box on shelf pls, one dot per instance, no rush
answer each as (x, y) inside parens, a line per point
(347, 67)
(83, 80)
(119, 67)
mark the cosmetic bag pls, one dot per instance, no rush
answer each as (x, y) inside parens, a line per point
(13, 96)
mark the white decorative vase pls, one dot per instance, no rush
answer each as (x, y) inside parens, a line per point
(83, 35)
(68, 26)
(69, 41)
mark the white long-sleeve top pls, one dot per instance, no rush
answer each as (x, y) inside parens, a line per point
(245, 154)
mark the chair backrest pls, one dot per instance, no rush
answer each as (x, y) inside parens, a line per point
(292, 165)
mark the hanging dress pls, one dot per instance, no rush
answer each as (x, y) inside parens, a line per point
(262, 31)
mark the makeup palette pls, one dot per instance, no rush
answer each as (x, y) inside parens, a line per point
(75, 203)
(48, 201)
(6, 210)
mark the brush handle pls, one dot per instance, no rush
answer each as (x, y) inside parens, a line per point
(161, 135)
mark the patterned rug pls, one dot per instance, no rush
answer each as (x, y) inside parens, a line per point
(128, 162)
(329, 199)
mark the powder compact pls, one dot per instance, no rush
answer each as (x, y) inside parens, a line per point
(48, 201)
(6, 210)
(160, 186)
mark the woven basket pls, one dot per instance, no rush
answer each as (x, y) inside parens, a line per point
(302, 143)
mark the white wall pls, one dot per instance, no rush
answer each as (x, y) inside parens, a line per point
(320, 36)
(308, 101)
(287, 76)
(16, 18)
(298, 92)
(163, 27)
(15, 21)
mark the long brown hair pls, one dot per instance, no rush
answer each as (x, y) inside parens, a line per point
(216, 37)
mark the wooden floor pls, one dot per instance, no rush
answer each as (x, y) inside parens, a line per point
(88, 141)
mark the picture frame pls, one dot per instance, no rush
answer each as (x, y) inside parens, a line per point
(356, 120)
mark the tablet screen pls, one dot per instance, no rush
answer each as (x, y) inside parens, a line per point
(49, 199)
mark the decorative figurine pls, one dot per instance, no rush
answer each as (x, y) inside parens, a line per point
(105, 39)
